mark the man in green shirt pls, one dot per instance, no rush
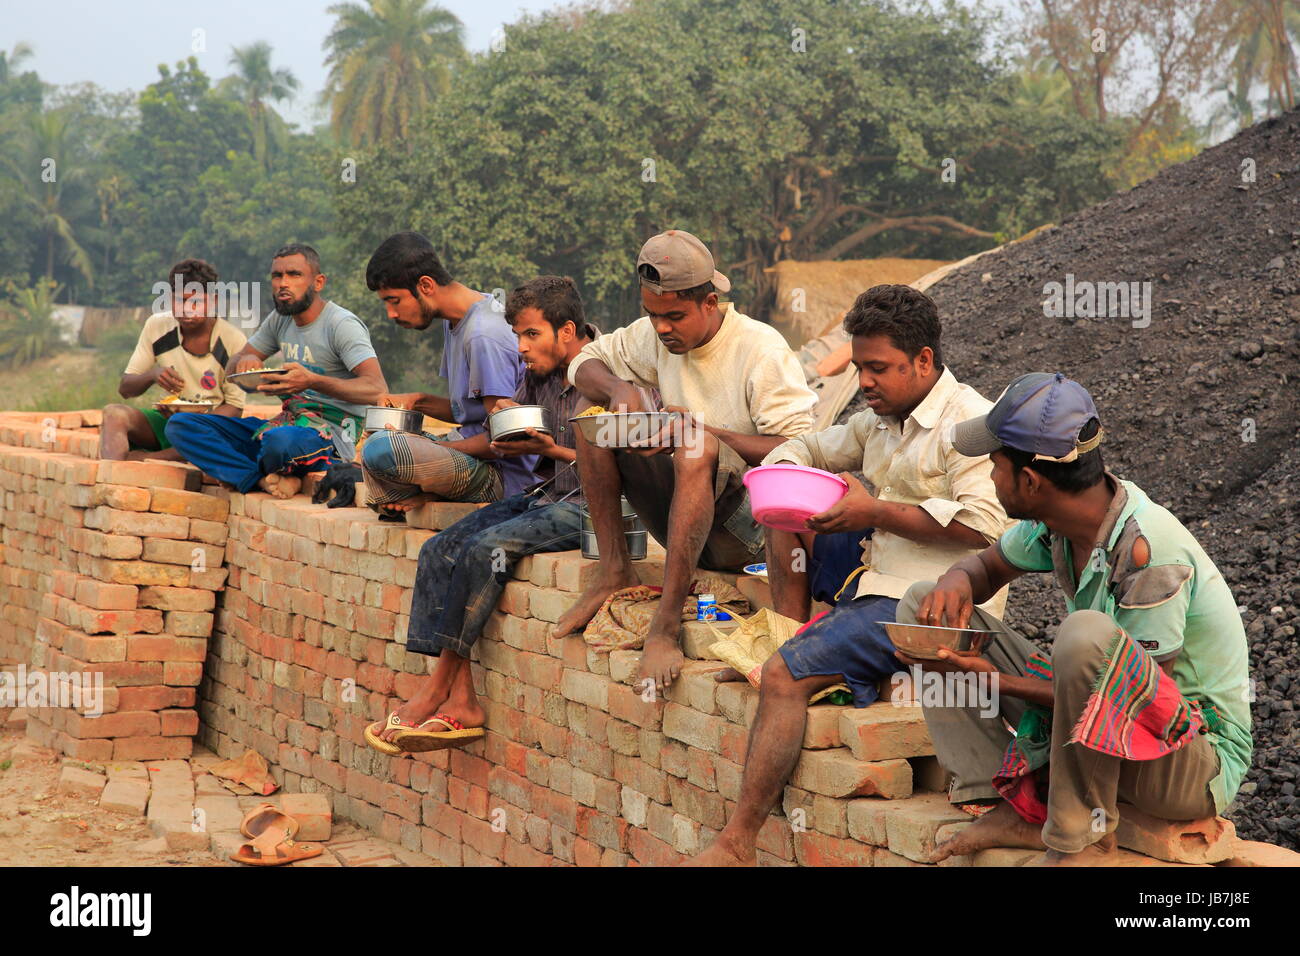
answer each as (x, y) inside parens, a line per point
(1148, 678)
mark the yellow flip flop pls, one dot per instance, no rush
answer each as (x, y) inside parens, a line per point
(419, 740)
(374, 730)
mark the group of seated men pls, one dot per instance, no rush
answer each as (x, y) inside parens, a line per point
(1143, 697)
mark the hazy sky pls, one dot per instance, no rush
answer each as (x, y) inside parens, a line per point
(119, 44)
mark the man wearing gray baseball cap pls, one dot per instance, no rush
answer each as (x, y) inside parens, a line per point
(739, 391)
(1147, 679)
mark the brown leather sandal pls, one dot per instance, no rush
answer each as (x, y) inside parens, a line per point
(271, 843)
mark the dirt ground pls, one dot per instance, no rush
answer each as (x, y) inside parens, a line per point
(41, 827)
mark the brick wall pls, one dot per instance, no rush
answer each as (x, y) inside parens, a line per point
(575, 767)
(290, 618)
(112, 569)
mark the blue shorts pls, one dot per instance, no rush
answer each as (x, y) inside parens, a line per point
(834, 558)
(850, 640)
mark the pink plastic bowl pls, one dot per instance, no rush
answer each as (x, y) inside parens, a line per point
(785, 496)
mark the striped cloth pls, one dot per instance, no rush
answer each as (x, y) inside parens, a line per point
(1135, 712)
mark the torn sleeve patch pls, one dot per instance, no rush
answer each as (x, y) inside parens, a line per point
(1151, 587)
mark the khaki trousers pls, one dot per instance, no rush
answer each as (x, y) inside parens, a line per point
(1085, 786)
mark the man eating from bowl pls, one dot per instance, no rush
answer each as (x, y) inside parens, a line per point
(183, 351)
(482, 369)
(1144, 696)
(930, 506)
(464, 568)
(331, 375)
(741, 393)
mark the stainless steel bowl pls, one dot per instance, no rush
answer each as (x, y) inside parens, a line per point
(623, 429)
(638, 544)
(923, 641)
(199, 407)
(507, 424)
(634, 532)
(249, 380)
(403, 419)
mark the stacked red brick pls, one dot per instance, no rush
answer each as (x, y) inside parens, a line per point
(575, 768)
(113, 568)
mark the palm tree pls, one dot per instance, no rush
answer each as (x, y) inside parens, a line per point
(56, 185)
(1260, 41)
(1042, 86)
(255, 82)
(28, 329)
(10, 61)
(388, 61)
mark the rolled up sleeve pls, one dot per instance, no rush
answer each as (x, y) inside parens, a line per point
(973, 501)
(629, 353)
(835, 449)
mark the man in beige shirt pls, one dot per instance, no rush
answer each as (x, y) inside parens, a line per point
(931, 506)
(742, 393)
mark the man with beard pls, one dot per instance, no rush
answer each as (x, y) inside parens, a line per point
(481, 367)
(464, 568)
(183, 351)
(331, 375)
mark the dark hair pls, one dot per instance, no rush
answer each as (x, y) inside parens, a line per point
(910, 319)
(401, 260)
(191, 270)
(299, 249)
(556, 297)
(696, 293)
(1071, 477)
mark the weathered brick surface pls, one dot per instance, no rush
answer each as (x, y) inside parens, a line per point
(89, 572)
(247, 622)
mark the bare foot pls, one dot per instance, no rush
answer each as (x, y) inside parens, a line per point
(281, 486)
(426, 702)
(408, 504)
(661, 661)
(728, 674)
(1001, 826)
(723, 852)
(1101, 853)
(577, 617)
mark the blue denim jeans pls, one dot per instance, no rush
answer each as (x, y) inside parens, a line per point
(850, 640)
(225, 448)
(463, 569)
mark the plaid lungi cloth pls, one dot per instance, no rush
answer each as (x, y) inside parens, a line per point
(399, 465)
(1135, 712)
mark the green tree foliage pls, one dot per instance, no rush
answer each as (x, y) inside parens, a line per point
(28, 330)
(249, 212)
(389, 60)
(257, 84)
(53, 178)
(774, 129)
(184, 128)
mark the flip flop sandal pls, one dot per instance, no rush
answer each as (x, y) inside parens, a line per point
(420, 740)
(374, 730)
(274, 848)
(257, 820)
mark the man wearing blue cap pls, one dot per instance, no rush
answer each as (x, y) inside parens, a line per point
(1148, 674)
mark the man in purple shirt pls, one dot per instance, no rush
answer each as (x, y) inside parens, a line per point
(482, 368)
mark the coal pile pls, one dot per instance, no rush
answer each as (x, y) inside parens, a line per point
(1199, 396)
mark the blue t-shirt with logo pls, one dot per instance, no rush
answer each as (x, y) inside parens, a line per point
(333, 344)
(480, 356)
